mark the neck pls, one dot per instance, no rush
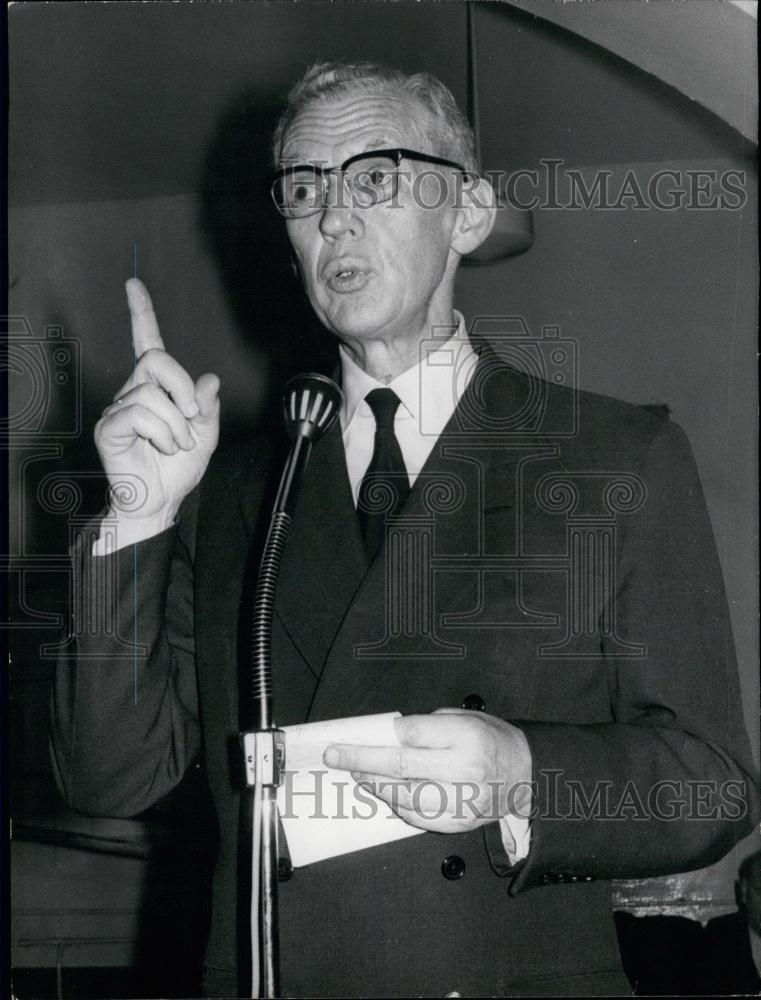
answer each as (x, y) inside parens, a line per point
(385, 358)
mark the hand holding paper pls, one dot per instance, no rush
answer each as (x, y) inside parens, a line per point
(448, 772)
(325, 812)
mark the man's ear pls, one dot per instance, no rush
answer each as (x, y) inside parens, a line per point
(476, 213)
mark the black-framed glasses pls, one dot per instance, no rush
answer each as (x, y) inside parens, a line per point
(368, 178)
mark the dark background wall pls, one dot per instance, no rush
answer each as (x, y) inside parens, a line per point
(139, 146)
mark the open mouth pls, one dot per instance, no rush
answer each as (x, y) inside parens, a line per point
(347, 278)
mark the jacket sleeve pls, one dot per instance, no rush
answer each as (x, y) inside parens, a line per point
(124, 713)
(668, 785)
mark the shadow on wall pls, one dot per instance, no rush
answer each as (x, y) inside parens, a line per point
(247, 239)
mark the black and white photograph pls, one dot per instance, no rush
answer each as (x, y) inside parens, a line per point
(382, 452)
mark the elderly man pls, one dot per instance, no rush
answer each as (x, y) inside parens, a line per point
(587, 706)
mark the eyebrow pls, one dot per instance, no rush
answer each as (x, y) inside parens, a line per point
(379, 140)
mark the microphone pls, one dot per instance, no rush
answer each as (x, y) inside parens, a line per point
(310, 406)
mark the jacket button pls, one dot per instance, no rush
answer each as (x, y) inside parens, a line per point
(453, 867)
(284, 869)
(473, 703)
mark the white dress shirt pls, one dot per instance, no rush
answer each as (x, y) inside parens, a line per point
(429, 393)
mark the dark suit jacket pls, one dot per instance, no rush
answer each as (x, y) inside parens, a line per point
(576, 591)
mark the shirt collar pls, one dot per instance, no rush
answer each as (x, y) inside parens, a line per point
(433, 372)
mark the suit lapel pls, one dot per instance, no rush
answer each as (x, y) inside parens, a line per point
(324, 560)
(465, 500)
(475, 467)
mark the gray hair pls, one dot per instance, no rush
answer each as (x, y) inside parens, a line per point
(441, 121)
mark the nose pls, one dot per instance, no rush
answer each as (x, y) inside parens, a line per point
(340, 216)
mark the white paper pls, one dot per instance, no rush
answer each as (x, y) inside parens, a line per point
(323, 810)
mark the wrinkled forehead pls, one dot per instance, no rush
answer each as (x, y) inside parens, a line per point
(329, 131)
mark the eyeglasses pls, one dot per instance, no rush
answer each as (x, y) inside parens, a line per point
(369, 178)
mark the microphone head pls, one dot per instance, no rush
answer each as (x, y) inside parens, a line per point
(310, 405)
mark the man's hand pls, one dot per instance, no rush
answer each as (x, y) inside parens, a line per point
(455, 770)
(161, 427)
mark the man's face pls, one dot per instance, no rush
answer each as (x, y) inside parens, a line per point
(383, 272)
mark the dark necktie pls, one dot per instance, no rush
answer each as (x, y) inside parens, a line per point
(385, 485)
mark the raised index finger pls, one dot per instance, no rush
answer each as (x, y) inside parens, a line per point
(145, 327)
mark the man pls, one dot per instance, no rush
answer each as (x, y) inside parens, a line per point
(571, 678)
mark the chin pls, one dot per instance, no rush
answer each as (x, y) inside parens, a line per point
(356, 323)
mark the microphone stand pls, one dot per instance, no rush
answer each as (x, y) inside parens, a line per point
(311, 404)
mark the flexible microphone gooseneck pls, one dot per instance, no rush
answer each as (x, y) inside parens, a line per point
(310, 405)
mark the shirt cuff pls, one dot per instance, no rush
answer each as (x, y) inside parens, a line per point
(516, 837)
(118, 533)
